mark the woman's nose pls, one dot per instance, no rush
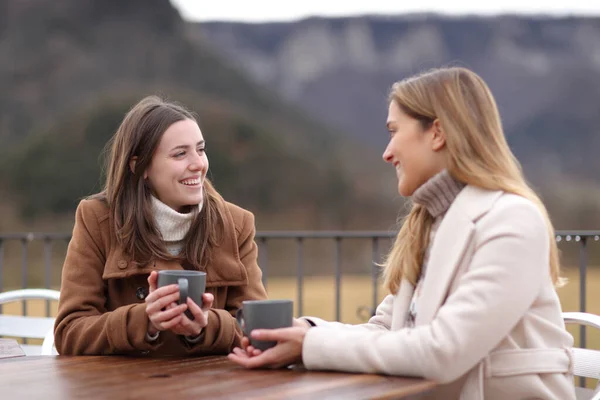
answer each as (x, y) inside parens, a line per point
(198, 162)
(387, 155)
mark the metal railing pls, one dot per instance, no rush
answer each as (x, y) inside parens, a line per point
(264, 238)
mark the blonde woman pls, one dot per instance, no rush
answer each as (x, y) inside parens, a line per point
(472, 273)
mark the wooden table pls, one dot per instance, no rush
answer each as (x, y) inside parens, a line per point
(113, 378)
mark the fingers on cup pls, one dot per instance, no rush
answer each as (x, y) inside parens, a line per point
(152, 281)
(165, 326)
(200, 315)
(162, 292)
(162, 317)
(207, 300)
(196, 311)
(190, 328)
(164, 302)
(167, 319)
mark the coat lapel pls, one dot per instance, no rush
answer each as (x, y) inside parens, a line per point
(401, 304)
(449, 246)
(225, 270)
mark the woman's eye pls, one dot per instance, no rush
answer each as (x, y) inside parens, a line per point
(180, 154)
(201, 151)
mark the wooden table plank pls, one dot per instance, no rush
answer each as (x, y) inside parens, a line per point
(10, 348)
(60, 377)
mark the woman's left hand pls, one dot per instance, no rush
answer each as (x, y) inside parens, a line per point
(287, 351)
(193, 328)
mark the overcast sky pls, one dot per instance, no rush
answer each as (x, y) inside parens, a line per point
(272, 10)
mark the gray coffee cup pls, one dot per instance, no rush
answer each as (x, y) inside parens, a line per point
(192, 284)
(264, 314)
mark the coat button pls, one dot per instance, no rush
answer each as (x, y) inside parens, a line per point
(122, 264)
(141, 293)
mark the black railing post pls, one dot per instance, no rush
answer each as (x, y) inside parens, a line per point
(375, 273)
(338, 277)
(24, 258)
(300, 273)
(24, 249)
(47, 269)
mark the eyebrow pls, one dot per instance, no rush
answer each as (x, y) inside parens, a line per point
(185, 146)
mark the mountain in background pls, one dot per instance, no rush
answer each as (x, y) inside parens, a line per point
(543, 71)
(70, 70)
(293, 113)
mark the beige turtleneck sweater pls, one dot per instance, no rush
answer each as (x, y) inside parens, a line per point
(172, 225)
(436, 195)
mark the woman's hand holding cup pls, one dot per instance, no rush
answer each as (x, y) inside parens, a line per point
(161, 306)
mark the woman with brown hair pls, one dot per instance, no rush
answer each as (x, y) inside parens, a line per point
(157, 211)
(472, 273)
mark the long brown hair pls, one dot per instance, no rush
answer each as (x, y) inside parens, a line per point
(478, 155)
(128, 195)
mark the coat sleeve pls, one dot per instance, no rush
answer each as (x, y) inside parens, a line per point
(83, 325)
(509, 264)
(382, 320)
(222, 332)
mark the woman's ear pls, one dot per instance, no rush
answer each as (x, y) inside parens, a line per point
(439, 136)
(132, 163)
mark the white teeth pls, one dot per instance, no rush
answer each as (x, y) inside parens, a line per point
(191, 182)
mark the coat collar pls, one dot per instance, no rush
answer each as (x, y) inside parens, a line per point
(226, 268)
(450, 243)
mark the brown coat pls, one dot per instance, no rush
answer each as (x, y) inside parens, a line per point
(101, 308)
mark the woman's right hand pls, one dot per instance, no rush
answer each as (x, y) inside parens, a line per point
(252, 352)
(161, 306)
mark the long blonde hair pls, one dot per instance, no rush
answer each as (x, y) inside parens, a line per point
(478, 155)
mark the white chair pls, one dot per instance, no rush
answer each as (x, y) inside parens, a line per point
(30, 327)
(586, 362)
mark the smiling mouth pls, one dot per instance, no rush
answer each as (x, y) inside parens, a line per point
(191, 182)
(398, 169)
